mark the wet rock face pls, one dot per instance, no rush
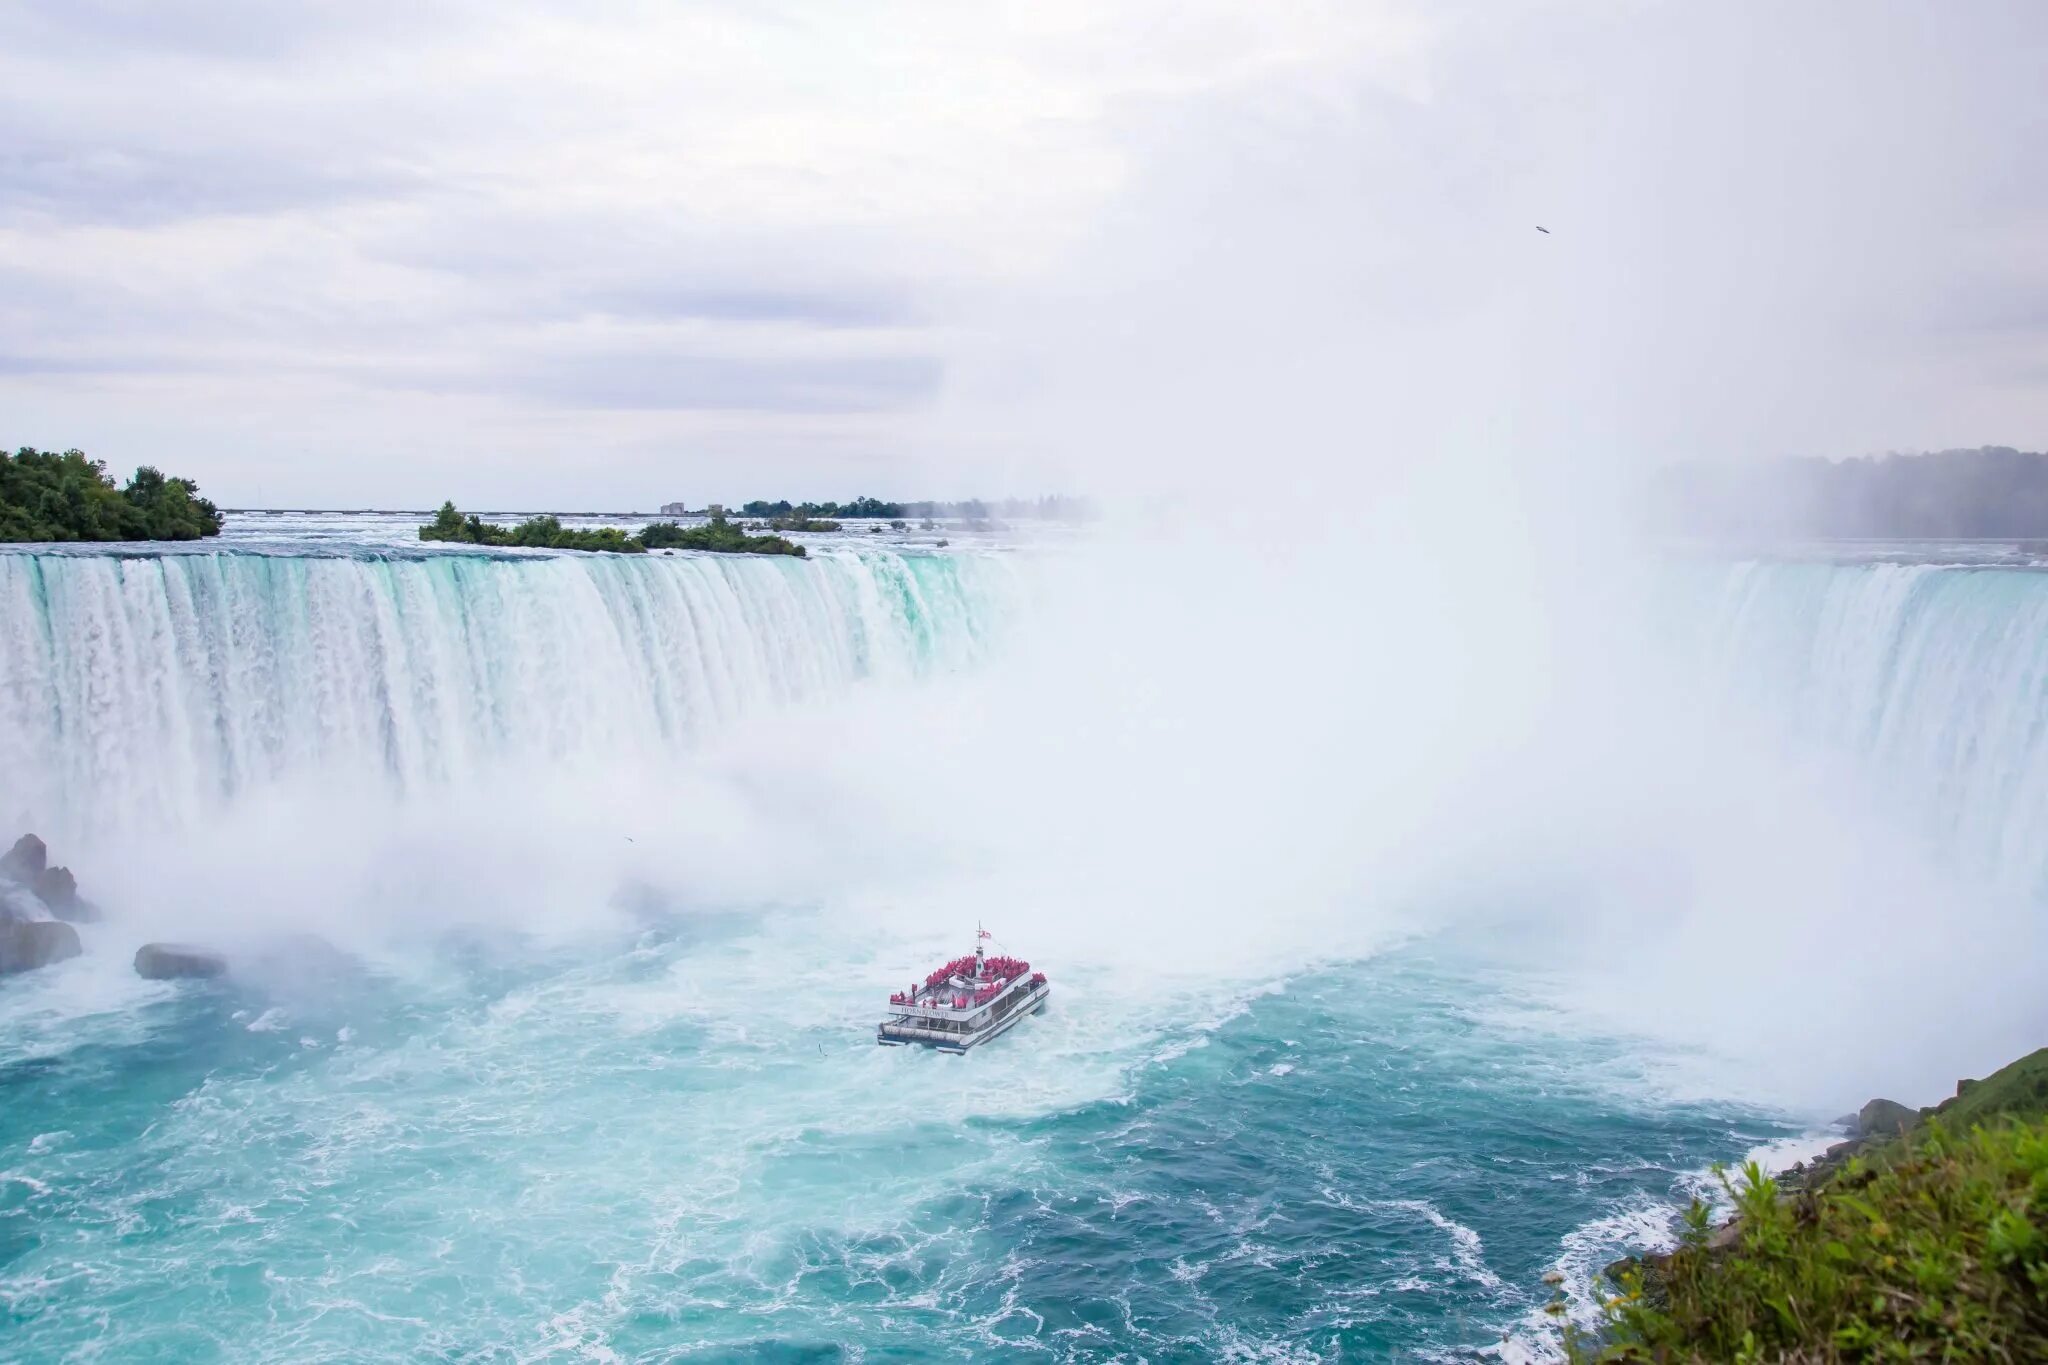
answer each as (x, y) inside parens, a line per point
(27, 860)
(177, 962)
(26, 879)
(58, 889)
(1885, 1118)
(27, 945)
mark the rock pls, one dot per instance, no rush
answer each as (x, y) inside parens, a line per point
(35, 943)
(58, 889)
(1885, 1118)
(26, 860)
(177, 961)
(1963, 1088)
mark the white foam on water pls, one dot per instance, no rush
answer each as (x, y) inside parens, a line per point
(90, 1000)
(1468, 1253)
(1641, 1225)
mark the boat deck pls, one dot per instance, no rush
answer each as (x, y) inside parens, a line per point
(964, 1003)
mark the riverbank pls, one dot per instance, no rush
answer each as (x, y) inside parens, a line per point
(1923, 1235)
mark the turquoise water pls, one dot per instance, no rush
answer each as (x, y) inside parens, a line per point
(590, 1156)
(525, 1112)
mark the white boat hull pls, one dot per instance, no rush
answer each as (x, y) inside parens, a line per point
(901, 1032)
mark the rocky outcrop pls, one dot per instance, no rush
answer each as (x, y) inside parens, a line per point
(25, 872)
(177, 962)
(26, 945)
(26, 861)
(1884, 1119)
(58, 889)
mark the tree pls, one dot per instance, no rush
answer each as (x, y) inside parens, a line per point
(47, 496)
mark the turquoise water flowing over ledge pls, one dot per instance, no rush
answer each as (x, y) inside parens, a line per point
(1933, 676)
(153, 687)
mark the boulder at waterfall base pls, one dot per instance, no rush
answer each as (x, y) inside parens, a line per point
(176, 962)
(28, 944)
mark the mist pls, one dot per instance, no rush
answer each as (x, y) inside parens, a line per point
(1368, 647)
(1196, 762)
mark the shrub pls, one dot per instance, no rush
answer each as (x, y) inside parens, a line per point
(548, 533)
(1940, 1251)
(542, 533)
(718, 535)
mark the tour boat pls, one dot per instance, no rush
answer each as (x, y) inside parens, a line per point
(964, 1003)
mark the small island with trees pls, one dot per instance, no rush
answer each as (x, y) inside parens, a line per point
(45, 496)
(547, 533)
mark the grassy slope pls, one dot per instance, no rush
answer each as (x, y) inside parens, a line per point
(1932, 1246)
(2016, 1091)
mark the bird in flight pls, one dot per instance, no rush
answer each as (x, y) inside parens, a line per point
(1542, 229)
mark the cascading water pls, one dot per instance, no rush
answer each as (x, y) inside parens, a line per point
(1933, 679)
(672, 1137)
(151, 689)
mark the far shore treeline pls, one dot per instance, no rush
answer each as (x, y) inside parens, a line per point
(1991, 492)
(548, 533)
(47, 496)
(1050, 508)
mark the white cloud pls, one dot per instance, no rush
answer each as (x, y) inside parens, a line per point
(751, 246)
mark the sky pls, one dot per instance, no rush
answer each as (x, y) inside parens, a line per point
(614, 253)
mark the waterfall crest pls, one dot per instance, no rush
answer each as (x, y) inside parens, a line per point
(137, 690)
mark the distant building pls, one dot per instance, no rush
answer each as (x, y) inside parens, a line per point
(675, 509)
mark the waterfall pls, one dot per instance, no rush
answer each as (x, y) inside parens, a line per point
(1933, 678)
(147, 689)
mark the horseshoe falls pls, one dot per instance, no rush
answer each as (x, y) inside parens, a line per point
(1932, 674)
(569, 889)
(145, 688)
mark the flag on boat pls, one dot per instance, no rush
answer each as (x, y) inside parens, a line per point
(980, 932)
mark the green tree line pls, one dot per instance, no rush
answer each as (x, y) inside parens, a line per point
(548, 533)
(973, 509)
(48, 496)
(1992, 491)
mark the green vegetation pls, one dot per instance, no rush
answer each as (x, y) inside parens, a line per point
(807, 511)
(803, 524)
(47, 496)
(1928, 1245)
(2016, 1091)
(717, 534)
(1940, 1255)
(874, 509)
(548, 533)
(542, 533)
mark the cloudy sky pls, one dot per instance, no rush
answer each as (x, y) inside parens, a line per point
(607, 253)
